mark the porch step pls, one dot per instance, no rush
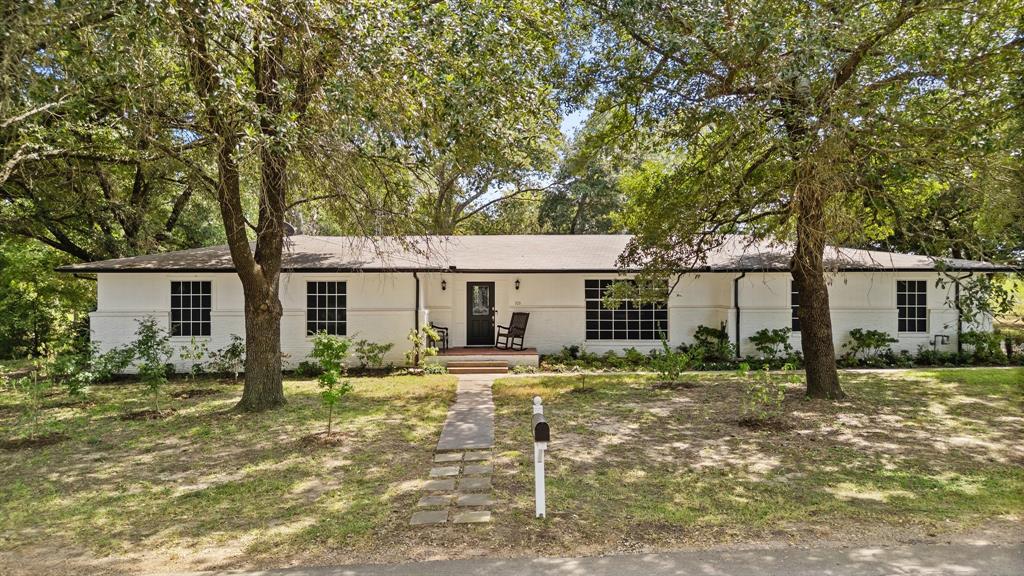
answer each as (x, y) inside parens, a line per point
(478, 367)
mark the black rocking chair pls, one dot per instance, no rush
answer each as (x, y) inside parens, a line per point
(442, 333)
(511, 337)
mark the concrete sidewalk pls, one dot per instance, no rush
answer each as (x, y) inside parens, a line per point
(917, 560)
(470, 422)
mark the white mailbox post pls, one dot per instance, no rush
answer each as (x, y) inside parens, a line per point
(541, 437)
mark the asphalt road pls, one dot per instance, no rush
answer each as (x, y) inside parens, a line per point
(917, 560)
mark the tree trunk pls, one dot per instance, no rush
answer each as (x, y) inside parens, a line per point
(808, 271)
(264, 388)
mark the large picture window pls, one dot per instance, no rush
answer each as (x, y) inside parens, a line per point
(190, 308)
(912, 304)
(325, 308)
(794, 306)
(629, 321)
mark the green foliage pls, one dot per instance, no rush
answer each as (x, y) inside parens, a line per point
(867, 346)
(523, 369)
(984, 347)
(152, 347)
(434, 368)
(763, 396)
(670, 364)
(195, 351)
(371, 354)
(773, 344)
(330, 353)
(307, 369)
(230, 359)
(421, 349)
(710, 345)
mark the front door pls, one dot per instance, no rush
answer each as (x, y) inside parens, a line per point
(480, 314)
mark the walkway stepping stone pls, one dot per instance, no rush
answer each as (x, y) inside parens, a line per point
(474, 500)
(476, 456)
(478, 469)
(426, 517)
(446, 485)
(472, 517)
(448, 457)
(434, 501)
(442, 471)
(470, 422)
(475, 484)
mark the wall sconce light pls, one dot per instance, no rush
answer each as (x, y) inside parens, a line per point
(517, 283)
(444, 285)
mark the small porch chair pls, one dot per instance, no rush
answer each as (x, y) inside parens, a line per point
(511, 337)
(442, 333)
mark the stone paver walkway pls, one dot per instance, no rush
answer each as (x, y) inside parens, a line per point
(470, 423)
(459, 487)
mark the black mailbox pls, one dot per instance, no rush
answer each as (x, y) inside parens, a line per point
(541, 431)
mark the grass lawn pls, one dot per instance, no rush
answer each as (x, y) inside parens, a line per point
(205, 487)
(911, 455)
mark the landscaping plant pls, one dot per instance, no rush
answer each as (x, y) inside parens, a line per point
(194, 351)
(763, 396)
(371, 354)
(867, 346)
(229, 359)
(421, 349)
(152, 349)
(773, 344)
(670, 364)
(330, 353)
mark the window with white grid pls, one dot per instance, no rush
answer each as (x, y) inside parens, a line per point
(325, 308)
(912, 304)
(190, 308)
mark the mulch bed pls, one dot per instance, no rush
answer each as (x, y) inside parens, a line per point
(148, 414)
(674, 385)
(193, 393)
(33, 441)
(322, 439)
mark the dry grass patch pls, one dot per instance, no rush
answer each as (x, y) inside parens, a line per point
(636, 465)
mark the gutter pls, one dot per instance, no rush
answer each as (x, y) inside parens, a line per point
(416, 321)
(959, 312)
(736, 305)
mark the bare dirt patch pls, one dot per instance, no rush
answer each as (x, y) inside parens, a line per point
(148, 414)
(29, 442)
(190, 393)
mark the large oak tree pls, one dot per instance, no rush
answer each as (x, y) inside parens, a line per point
(795, 120)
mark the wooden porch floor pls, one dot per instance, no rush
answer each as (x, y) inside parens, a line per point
(486, 351)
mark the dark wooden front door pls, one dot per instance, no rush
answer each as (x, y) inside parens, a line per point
(480, 314)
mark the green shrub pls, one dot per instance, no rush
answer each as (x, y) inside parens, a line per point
(308, 369)
(773, 344)
(983, 347)
(434, 368)
(195, 351)
(712, 344)
(612, 360)
(523, 369)
(421, 349)
(763, 397)
(634, 358)
(153, 349)
(330, 353)
(229, 359)
(370, 354)
(670, 364)
(868, 346)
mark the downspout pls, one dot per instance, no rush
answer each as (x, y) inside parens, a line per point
(416, 322)
(736, 305)
(959, 314)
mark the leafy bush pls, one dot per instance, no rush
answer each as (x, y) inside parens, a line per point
(434, 368)
(773, 344)
(195, 351)
(523, 369)
(229, 359)
(711, 344)
(763, 396)
(110, 363)
(330, 353)
(421, 349)
(153, 349)
(670, 364)
(984, 347)
(308, 369)
(371, 354)
(634, 358)
(867, 346)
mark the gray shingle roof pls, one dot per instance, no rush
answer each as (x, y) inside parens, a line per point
(541, 253)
